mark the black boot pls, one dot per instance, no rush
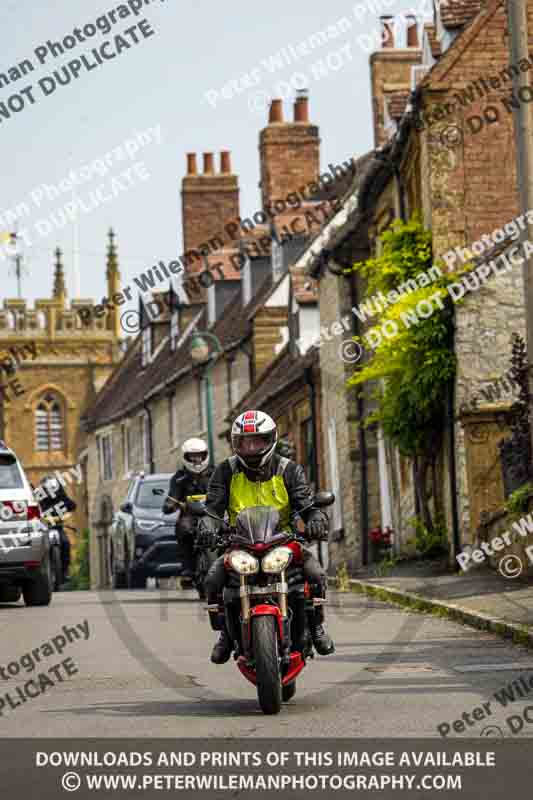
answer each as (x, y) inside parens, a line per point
(222, 650)
(321, 639)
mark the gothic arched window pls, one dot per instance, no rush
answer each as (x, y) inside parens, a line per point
(49, 424)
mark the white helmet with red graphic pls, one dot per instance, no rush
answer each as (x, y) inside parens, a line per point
(253, 437)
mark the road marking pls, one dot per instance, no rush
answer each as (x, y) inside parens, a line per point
(510, 666)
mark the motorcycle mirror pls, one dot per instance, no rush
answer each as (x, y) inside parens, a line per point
(323, 499)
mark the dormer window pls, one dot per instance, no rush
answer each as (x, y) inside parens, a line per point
(247, 281)
(146, 352)
(174, 328)
(277, 259)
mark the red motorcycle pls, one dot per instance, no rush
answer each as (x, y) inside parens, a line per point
(267, 602)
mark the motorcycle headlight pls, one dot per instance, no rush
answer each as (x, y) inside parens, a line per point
(243, 563)
(277, 560)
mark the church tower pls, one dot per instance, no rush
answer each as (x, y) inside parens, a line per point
(51, 367)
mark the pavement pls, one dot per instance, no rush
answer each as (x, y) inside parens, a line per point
(143, 670)
(481, 598)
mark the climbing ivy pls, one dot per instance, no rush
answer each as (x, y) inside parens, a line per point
(415, 366)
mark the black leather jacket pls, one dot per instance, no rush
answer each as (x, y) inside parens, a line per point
(298, 489)
(183, 484)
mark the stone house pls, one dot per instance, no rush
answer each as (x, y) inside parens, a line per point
(57, 367)
(464, 191)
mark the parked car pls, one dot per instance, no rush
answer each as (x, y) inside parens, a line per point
(142, 538)
(25, 550)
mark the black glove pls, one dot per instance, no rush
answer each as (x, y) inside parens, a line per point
(207, 533)
(317, 526)
(169, 506)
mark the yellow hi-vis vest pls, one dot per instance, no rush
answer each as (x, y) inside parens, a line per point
(244, 493)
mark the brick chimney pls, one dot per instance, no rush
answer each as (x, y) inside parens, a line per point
(390, 67)
(289, 151)
(209, 201)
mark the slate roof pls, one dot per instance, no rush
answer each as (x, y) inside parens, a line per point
(130, 384)
(286, 369)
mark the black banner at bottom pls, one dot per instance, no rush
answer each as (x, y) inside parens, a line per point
(288, 768)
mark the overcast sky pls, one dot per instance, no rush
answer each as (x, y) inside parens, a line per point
(163, 81)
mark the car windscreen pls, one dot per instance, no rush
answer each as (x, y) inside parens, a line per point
(146, 497)
(10, 477)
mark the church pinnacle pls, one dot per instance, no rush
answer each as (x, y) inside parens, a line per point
(60, 290)
(112, 270)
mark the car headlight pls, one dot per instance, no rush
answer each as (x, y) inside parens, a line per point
(277, 560)
(243, 563)
(146, 524)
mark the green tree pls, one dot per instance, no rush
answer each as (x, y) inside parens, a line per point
(413, 368)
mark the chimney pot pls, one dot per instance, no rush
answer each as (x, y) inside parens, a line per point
(388, 30)
(209, 164)
(225, 161)
(301, 109)
(276, 111)
(192, 169)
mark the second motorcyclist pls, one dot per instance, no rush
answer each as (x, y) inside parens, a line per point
(189, 481)
(256, 475)
(55, 505)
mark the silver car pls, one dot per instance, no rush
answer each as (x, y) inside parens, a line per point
(25, 563)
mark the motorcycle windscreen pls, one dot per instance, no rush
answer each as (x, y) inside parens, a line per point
(258, 525)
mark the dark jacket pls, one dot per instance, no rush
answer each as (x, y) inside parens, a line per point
(183, 484)
(298, 489)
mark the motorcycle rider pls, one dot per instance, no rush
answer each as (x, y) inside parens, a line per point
(191, 479)
(257, 475)
(55, 503)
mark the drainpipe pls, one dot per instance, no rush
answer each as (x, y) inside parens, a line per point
(452, 468)
(363, 454)
(312, 399)
(150, 437)
(401, 192)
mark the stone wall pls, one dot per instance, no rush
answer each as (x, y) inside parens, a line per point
(338, 408)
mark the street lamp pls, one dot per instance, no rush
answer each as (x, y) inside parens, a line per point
(202, 357)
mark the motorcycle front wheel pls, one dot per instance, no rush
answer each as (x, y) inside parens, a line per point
(265, 644)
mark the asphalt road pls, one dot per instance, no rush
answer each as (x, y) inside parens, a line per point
(144, 671)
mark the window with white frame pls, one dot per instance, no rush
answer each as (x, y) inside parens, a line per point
(145, 440)
(105, 456)
(173, 425)
(125, 448)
